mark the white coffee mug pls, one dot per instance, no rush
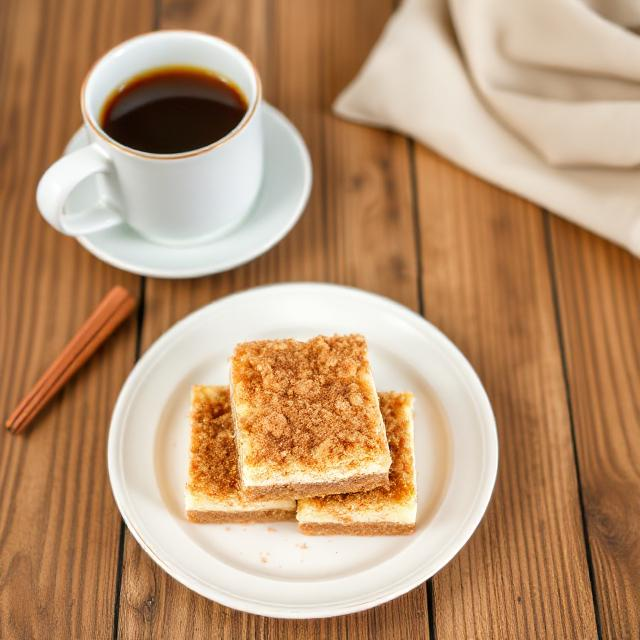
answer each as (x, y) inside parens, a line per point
(178, 198)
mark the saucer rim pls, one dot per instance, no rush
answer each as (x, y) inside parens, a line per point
(179, 273)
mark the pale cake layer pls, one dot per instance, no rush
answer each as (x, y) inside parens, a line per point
(301, 490)
(306, 413)
(395, 505)
(375, 512)
(212, 490)
(200, 502)
(356, 529)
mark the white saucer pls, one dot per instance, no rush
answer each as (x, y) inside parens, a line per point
(283, 197)
(272, 569)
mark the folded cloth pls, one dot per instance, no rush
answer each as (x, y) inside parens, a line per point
(539, 97)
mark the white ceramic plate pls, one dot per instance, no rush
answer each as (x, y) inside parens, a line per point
(272, 569)
(282, 198)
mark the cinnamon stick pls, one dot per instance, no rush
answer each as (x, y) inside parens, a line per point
(114, 308)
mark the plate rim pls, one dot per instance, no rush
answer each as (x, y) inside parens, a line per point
(464, 531)
(180, 274)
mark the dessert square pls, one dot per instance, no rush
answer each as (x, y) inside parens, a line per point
(307, 418)
(212, 492)
(384, 511)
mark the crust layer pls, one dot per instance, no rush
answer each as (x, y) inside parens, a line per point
(356, 529)
(305, 490)
(267, 515)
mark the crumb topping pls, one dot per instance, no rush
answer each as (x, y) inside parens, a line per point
(394, 406)
(307, 404)
(213, 468)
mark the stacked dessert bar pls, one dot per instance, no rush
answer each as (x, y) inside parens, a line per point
(301, 432)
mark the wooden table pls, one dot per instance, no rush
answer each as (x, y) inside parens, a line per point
(547, 313)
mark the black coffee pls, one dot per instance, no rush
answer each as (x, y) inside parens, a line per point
(173, 109)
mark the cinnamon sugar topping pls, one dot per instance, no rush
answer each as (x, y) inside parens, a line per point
(394, 407)
(213, 468)
(307, 405)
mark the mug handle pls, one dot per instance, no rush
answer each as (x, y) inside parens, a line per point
(61, 178)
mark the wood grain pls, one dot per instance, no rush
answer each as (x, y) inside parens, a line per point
(357, 229)
(486, 283)
(598, 288)
(59, 527)
(546, 312)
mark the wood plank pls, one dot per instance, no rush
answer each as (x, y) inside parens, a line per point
(357, 229)
(486, 283)
(599, 303)
(59, 527)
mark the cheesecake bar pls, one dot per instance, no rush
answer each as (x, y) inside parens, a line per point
(212, 493)
(382, 511)
(307, 418)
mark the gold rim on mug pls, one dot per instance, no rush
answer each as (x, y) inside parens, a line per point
(170, 156)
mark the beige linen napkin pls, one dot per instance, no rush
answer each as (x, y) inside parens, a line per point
(541, 97)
